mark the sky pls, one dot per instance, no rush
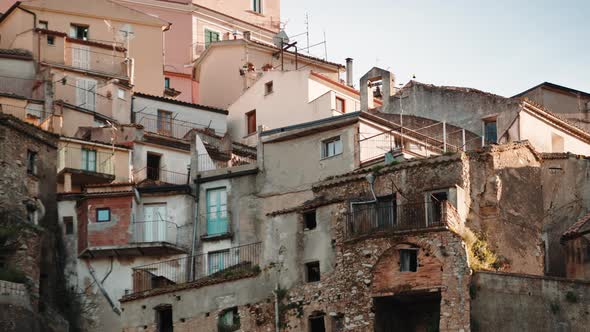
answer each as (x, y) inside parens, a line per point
(503, 47)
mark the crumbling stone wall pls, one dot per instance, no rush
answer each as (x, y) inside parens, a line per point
(506, 205)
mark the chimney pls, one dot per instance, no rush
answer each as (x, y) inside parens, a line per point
(349, 79)
(247, 35)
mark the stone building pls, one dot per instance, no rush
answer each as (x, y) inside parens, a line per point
(29, 251)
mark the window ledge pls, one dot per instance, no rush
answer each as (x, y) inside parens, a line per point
(216, 237)
(330, 157)
(251, 134)
(255, 13)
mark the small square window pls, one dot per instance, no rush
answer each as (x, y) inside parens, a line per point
(69, 225)
(79, 31)
(31, 162)
(50, 40)
(103, 215)
(167, 83)
(309, 219)
(408, 260)
(312, 269)
(121, 94)
(43, 25)
(331, 147)
(229, 320)
(268, 88)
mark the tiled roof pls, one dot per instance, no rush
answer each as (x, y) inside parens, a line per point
(574, 231)
(180, 102)
(16, 52)
(554, 86)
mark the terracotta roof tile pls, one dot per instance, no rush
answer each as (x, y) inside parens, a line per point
(574, 231)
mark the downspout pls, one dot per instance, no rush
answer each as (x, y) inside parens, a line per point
(102, 289)
(371, 179)
(195, 224)
(38, 35)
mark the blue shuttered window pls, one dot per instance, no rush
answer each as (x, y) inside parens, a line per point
(217, 222)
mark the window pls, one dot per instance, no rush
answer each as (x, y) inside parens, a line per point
(50, 40)
(218, 261)
(257, 6)
(490, 132)
(79, 31)
(268, 88)
(31, 162)
(69, 225)
(316, 322)
(408, 260)
(164, 122)
(331, 147)
(43, 25)
(121, 94)
(211, 37)
(167, 82)
(103, 215)
(309, 219)
(312, 270)
(251, 122)
(86, 93)
(164, 320)
(229, 320)
(89, 160)
(217, 222)
(340, 105)
(386, 212)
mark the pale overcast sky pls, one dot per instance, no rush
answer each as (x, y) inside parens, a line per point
(502, 46)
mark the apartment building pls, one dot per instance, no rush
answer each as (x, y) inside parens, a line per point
(197, 24)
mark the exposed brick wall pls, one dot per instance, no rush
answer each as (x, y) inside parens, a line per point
(114, 232)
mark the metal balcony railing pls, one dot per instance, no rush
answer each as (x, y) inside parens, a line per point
(389, 217)
(155, 231)
(86, 160)
(206, 163)
(218, 264)
(167, 126)
(160, 175)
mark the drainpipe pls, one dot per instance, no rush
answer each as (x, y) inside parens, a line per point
(371, 179)
(195, 224)
(277, 329)
(102, 289)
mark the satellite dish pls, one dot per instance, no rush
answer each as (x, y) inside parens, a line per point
(125, 33)
(280, 39)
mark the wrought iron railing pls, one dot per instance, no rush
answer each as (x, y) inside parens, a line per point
(388, 217)
(155, 231)
(161, 176)
(218, 264)
(89, 160)
(167, 126)
(207, 163)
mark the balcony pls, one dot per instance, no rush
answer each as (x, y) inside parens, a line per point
(389, 218)
(147, 238)
(222, 265)
(167, 126)
(154, 176)
(85, 165)
(206, 163)
(101, 58)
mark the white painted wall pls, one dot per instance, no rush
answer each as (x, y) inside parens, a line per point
(539, 133)
(297, 97)
(174, 160)
(201, 117)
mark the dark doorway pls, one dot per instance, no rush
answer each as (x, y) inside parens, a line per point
(316, 322)
(164, 319)
(436, 207)
(153, 166)
(407, 313)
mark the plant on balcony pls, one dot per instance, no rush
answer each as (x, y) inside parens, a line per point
(267, 67)
(249, 66)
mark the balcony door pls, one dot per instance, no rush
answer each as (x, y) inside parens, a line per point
(154, 228)
(217, 211)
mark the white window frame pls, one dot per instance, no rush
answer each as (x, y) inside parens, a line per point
(257, 6)
(120, 93)
(337, 149)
